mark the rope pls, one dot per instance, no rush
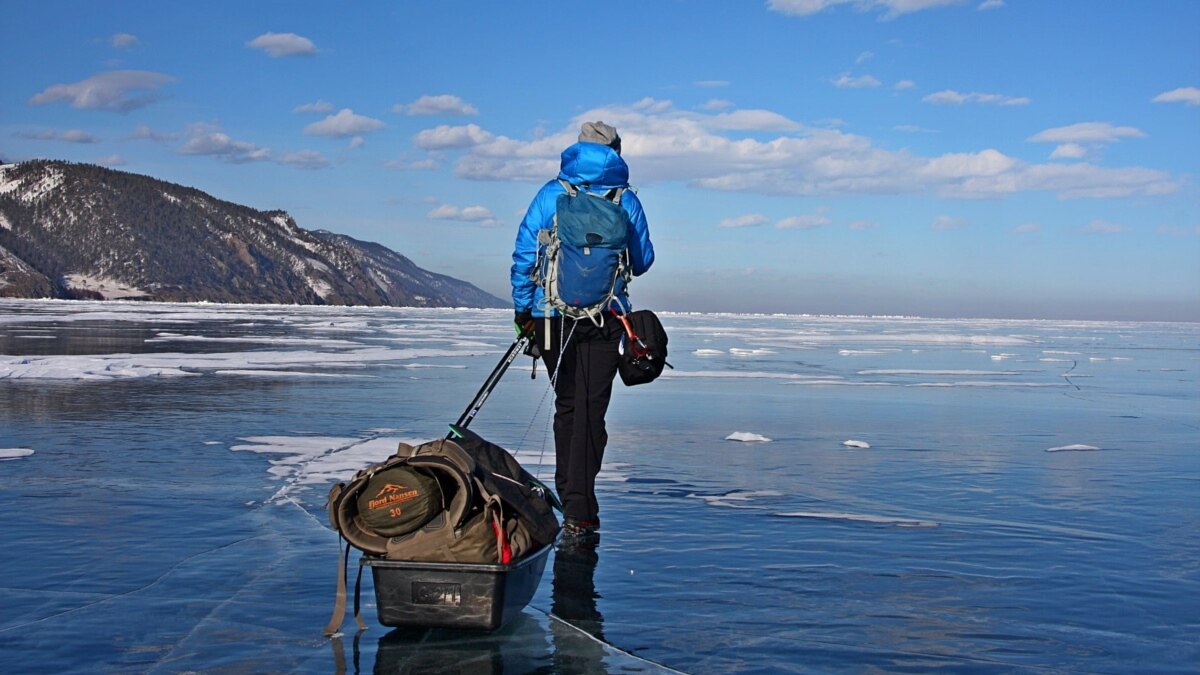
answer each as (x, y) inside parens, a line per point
(552, 386)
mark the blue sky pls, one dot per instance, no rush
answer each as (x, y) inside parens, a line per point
(979, 158)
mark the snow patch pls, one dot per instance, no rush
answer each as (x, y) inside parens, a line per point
(7, 454)
(861, 517)
(856, 444)
(747, 437)
(107, 287)
(1073, 448)
(708, 352)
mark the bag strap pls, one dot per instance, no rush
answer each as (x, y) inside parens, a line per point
(339, 602)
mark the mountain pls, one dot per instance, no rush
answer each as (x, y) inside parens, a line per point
(83, 231)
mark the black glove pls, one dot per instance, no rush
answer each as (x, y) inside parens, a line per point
(523, 322)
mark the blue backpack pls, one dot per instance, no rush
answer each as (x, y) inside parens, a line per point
(584, 261)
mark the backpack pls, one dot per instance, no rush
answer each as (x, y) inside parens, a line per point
(583, 256)
(492, 511)
(643, 348)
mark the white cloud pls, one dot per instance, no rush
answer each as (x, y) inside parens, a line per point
(283, 44)
(122, 40)
(318, 106)
(208, 139)
(665, 144)
(845, 81)
(752, 120)
(120, 90)
(408, 164)
(1185, 95)
(112, 160)
(863, 225)
(344, 124)
(717, 104)
(144, 132)
(443, 104)
(1104, 227)
(864, 57)
(1086, 132)
(467, 214)
(77, 136)
(446, 137)
(904, 84)
(1069, 151)
(914, 129)
(712, 84)
(748, 220)
(952, 97)
(305, 159)
(948, 223)
(990, 4)
(1027, 228)
(891, 8)
(806, 222)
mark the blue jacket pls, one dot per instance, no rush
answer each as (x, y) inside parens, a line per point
(599, 168)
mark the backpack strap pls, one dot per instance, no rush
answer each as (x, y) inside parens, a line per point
(339, 602)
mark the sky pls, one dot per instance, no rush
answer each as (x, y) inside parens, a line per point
(940, 158)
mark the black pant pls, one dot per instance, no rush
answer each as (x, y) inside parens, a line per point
(582, 391)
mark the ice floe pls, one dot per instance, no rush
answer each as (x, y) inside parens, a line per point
(856, 444)
(709, 352)
(737, 499)
(750, 352)
(747, 437)
(1073, 448)
(14, 453)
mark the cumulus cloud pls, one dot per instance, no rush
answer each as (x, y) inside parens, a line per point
(283, 44)
(752, 120)
(304, 159)
(845, 81)
(208, 139)
(119, 90)
(1185, 95)
(446, 137)
(442, 104)
(1069, 151)
(123, 40)
(952, 97)
(990, 4)
(904, 84)
(948, 223)
(318, 106)
(890, 8)
(748, 220)
(467, 214)
(717, 104)
(344, 124)
(864, 57)
(694, 147)
(1086, 132)
(806, 222)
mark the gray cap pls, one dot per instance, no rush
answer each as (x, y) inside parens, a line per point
(599, 132)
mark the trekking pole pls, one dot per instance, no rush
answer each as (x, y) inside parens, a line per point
(464, 420)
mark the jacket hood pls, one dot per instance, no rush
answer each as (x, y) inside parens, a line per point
(595, 165)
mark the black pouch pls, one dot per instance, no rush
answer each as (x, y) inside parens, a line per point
(643, 348)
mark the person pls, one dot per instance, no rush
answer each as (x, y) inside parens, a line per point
(580, 355)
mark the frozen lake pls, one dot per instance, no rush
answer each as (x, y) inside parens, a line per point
(801, 494)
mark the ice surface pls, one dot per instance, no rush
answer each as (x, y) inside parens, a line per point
(747, 437)
(856, 444)
(796, 551)
(14, 453)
